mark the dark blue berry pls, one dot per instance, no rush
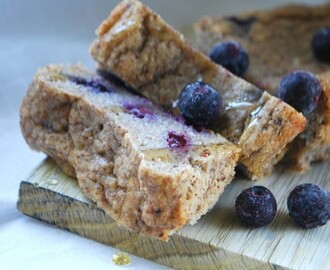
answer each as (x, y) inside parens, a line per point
(177, 140)
(321, 44)
(95, 85)
(200, 103)
(256, 206)
(309, 205)
(232, 56)
(300, 89)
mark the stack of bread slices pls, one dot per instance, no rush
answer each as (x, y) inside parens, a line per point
(133, 154)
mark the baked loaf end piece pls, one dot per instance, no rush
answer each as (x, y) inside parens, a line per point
(146, 168)
(135, 44)
(314, 143)
(279, 41)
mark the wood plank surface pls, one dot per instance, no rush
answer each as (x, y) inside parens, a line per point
(217, 241)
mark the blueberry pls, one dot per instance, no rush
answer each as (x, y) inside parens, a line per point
(321, 44)
(232, 56)
(95, 85)
(309, 205)
(200, 103)
(301, 89)
(256, 206)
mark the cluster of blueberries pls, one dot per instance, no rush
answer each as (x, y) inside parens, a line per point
(201, 104)
(308, 205)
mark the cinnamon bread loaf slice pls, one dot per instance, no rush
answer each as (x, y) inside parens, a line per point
(278, 41)
(144, 167)
(135, 44)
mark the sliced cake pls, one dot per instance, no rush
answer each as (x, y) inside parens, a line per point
(279, 41)
(135, 44)
(143, 166)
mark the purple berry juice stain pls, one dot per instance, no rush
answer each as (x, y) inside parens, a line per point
(93, 84)
(178, 140)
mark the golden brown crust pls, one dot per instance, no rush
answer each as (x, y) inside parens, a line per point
(158, 62)
(275, 123)
(268, 36)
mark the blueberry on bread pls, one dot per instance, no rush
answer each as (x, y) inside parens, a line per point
(300, 89)
(321, 44)
(280, 41)
(231, 55)
(200, 103)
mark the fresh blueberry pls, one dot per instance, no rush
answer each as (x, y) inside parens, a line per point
(301, 89)
(177, 140)
(232, 56)
(200, 103)
(309, 205)
(321, 44)
(95, 85)
(256, 206)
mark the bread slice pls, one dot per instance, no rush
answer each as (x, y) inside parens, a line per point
(144, 167)
(279, 41)
(313, 144)
(135, 44)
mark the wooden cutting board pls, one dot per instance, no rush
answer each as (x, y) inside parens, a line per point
(217, 241)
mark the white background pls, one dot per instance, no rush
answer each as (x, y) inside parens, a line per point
(35, 33)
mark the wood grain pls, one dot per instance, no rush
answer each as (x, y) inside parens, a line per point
(217, 241)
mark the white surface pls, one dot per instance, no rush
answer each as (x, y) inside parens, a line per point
(35, 33)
